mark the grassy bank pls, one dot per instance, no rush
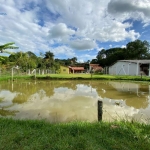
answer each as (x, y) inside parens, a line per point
(78, 77)
(94, 77)
(9, 78)
(40, 135)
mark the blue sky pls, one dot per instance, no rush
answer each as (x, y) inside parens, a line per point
(73, 28)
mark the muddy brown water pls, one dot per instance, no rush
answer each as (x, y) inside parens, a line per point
(64, 101)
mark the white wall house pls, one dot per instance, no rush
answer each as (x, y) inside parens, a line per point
(130, 67)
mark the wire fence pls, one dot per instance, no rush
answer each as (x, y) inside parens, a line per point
(20, 72)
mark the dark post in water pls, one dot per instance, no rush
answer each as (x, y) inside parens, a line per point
(100, 111)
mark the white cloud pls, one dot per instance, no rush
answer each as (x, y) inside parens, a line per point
(68, 52)
(115, 32)
(21, 28)
(87, 56)
(91, 20)
(81, 61)
(127, 9)
(83, 44)
(123, 46)
(99, 49)
(127, 6)
(60, 30)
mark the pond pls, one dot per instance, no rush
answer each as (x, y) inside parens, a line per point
(71, 100)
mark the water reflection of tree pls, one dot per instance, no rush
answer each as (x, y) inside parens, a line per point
(4, 112)
(131, 97)
(70, 84)
(20, 98)
(135, 97)
(26, 89)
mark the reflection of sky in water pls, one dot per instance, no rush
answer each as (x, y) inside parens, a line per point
(66, 94)
(6, 97)
(75, 106)
(113, 111)
(79, 102)
(146, 112)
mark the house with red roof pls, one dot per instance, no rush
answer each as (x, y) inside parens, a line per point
(76, 69)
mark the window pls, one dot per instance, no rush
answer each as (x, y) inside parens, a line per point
(64, 69)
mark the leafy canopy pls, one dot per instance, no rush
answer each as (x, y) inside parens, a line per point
(7, 46)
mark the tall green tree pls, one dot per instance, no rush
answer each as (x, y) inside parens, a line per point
(134, 50)
(108, 57)
(31, 55)
(49, 59)
(49, 55)
(138, 50)
(73, 60)
(24, 60)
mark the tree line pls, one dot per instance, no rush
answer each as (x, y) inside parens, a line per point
(134, 50)
(28, 60)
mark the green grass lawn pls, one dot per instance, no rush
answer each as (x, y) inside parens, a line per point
(78, 76)
(40, 135)
(93, 77)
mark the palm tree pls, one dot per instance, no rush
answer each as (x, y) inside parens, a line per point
(7, 46)
(73, 60)
(49, 57)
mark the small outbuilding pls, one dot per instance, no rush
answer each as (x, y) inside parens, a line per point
(130, 67)
(64, 70)
(76, 69)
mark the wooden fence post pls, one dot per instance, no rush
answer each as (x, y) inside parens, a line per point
(100, 110)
